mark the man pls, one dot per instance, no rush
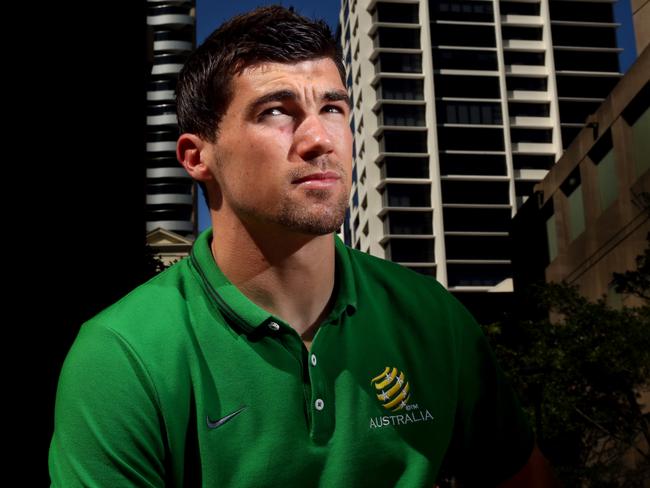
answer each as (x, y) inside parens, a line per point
(275, 355)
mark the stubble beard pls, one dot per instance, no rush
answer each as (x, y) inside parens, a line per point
(320, 217)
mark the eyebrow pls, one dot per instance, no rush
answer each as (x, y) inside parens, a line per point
(336, 96)
(289, 95)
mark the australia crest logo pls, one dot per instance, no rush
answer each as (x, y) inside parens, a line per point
(394, 393)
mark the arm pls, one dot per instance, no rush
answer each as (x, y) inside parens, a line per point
(536, 473)
(107, 427)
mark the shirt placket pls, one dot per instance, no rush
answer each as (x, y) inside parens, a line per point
(319, 404)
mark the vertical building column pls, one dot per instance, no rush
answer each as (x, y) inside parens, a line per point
(504, 109)
(432, 141)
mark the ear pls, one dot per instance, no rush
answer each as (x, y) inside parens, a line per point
(194, 153)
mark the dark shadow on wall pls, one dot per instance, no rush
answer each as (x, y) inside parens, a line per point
(80, 242)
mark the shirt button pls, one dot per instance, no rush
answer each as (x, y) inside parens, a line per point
(313, 359)
(319, 404)
(274, 326)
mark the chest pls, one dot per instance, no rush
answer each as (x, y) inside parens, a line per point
(367, 394)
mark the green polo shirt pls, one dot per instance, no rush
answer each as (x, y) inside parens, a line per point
(186, 382)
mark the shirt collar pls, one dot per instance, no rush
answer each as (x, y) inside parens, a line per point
(241, 310)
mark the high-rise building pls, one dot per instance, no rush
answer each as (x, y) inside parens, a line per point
(171, 199)
(459, 108)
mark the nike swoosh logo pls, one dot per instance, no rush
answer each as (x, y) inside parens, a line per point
(223, 420)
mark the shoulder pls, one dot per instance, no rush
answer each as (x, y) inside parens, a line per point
(154, 305)
(375, 275)
(149, 324)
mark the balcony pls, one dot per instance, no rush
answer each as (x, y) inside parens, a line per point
(166, 15)
(153, 173)
(521, 20)
(533, 148)
(169, 199)
(181, 226)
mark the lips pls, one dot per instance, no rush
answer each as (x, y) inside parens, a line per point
(320, 177)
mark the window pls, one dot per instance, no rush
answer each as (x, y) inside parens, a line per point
(411, 250)
(399, 89)
(526, 83)
(463, 35)
(523, 57)
(602, 154)
(467, 10)
(640, 131)
(532, 161)
(424, 270)
(583, 36)
(467, 86)
(572, 188)
(518, 8)
(575, 86)
(395, 167)
(405, 195)
(531, 135)
(397, 12)
(478, 247)
(577, 111)
(475, 192)
(586, 61)
(400, 222)
(524, 109)
(523, 33)
(475, 219)
(551, 238)
(477, 274)
(403, 141)
(398, 37)
(470, 113)
(582, 11)
(405, 115)
(398, 63)
(462, 59)
(483, 138)
(472, 164)
(607, 180)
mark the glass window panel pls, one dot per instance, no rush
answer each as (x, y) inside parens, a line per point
(576, 213)
(551, 238)
(641, 131)
(607, 180)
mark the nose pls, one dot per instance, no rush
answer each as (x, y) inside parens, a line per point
(312, 139)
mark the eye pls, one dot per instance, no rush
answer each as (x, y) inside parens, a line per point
(333, 109)
(272, 111)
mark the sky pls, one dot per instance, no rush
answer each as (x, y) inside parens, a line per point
(211, 13)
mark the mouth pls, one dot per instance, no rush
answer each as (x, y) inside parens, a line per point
(318, 180)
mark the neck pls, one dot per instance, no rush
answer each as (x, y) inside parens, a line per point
(288, 274)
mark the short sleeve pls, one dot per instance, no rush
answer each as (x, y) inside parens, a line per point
(107, 427)
(493, 439)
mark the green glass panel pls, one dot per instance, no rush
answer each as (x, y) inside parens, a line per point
(607, 180)
(641, 130)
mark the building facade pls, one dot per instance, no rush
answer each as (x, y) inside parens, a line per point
(460, 108)
(594, 205)
(170, 193)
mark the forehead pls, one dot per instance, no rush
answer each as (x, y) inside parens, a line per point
(321, 74)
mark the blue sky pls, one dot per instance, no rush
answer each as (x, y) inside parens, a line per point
(211, 13)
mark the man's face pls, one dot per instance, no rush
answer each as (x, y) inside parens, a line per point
(283, 153)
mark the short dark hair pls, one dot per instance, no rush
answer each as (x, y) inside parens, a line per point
(267, 34)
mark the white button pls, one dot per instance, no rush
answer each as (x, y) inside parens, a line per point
(274, 326)
(319, 404)
(313, 359)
